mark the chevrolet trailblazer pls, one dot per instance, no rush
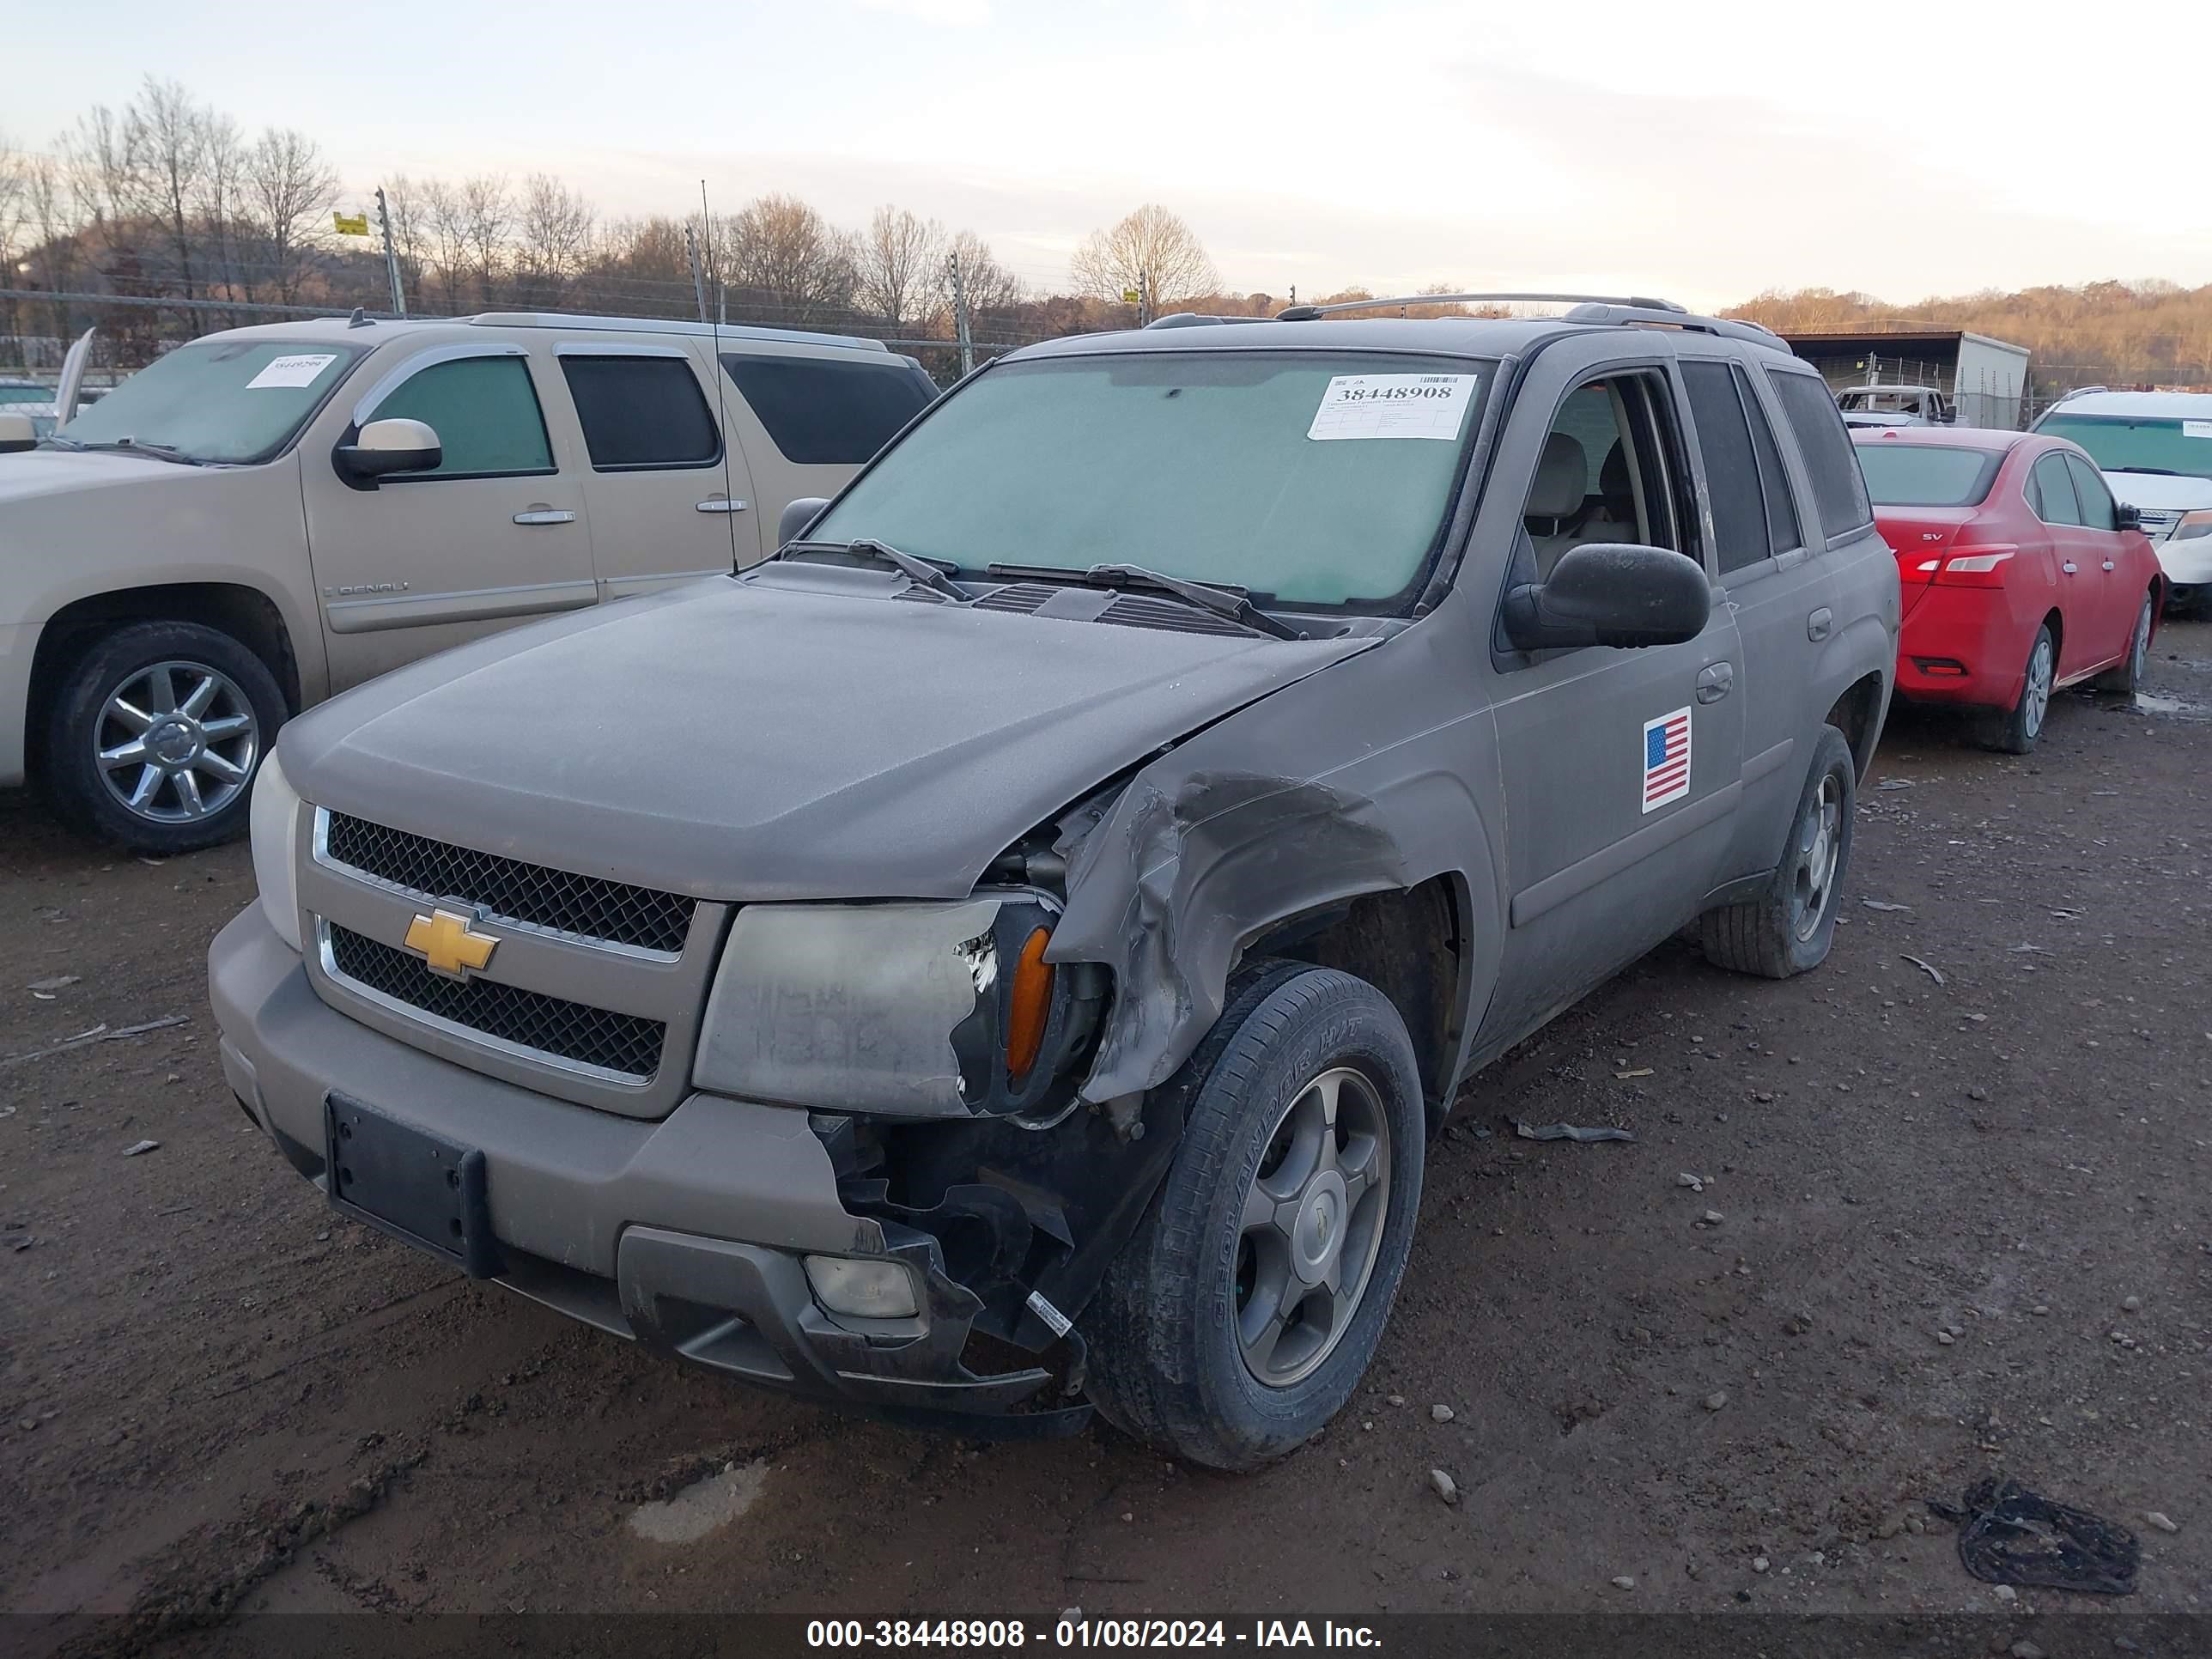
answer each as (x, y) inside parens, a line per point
(1003, 956)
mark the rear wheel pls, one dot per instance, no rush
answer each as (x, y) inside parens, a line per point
(2015, 730)
(1244, 1311)
(1788, 928)
(153, 736)
(2127, 675)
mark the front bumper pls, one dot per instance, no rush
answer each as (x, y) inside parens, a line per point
(2186, 564)
(19, 644)
(686, 1233)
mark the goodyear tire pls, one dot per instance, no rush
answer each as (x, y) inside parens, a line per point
(1788, 928)
(154, 735)
(1245, 1309)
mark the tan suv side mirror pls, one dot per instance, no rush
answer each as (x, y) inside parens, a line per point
(17, 432)
(384, 447)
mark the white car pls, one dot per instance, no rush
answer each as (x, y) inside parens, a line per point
(266, 516)
(2154, 449)
(1893, 405)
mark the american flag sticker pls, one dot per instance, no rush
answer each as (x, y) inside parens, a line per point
(1665, 759)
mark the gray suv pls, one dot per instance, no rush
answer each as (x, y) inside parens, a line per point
(1004, 955)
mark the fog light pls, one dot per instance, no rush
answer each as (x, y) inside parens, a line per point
(861, 1290)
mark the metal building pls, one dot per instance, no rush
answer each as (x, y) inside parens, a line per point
(1984, 379)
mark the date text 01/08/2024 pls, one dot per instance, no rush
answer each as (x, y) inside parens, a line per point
(971, 1634)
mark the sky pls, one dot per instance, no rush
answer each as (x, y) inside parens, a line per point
(1705, 150)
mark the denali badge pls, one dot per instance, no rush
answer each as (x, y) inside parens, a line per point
(450, 944)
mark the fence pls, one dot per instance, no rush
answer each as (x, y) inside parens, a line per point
(37, 326)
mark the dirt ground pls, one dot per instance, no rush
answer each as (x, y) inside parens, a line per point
(1963, 1230)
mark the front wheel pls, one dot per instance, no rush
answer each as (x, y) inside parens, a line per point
(1788, 927)
(152, 736)
(1243, 1311)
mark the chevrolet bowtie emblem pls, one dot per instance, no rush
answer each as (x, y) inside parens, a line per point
(450, 944)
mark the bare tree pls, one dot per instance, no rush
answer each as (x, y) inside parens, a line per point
(1150, 249)
(780, 253)
(164, 140)
(993, 291)
(446, 220)
(553, 237)
(486, 212)
(898, 262)
(292, 189)
(218, 204)
(404, 210)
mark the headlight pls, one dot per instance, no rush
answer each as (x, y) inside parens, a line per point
(2193, 526)
(274, 818)
(943, 1010)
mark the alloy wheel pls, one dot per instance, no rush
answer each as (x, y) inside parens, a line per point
(2036, 697)
(1312, 1226)
(1819, 850)
(176, 742)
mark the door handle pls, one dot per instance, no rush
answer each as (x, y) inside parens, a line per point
(2108, 564)
(718, 504)
(538, 514)
(1715, 680)
(1818, 624)
(2068, 567)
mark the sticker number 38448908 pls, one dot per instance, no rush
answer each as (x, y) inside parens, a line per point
(1665, 759)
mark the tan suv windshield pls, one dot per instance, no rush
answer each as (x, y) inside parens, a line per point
(222, 400)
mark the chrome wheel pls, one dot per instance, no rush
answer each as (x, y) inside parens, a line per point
(2035, 697)
(2139, 647)
(176, 742)
(1818, 848)
(1312, 1224)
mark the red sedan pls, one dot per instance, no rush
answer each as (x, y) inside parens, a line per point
(2021, 573)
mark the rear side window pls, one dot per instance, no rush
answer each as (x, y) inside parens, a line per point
(821, 411)
(484, 412)
(641, 412)
(1838, 493)
(1927, 475)
(2051, 492)
(1784, 534)
(1731, 468)
(2089, 492)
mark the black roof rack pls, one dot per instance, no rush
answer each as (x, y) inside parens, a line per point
(1307, 313)
(1604, 309)
(1195, 319)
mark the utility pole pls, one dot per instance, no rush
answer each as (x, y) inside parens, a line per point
(698, 275)
(1143, 298)
(960, 315)
(391, 259)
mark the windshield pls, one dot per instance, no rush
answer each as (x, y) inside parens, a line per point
(1893, 401)
(2121, 443)
(1926, 475)
(1307, 478)
(220, 400)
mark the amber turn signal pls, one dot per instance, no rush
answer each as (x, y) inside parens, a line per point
(1031, 1002)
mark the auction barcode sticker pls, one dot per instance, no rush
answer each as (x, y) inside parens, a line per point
(1393, 406)
(299, 369)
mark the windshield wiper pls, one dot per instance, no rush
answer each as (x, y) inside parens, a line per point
(1219, 598)
(133, 447)
(929, 573)
(2162, 471)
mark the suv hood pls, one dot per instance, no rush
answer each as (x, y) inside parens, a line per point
(801, 733)
(2158, 489)
(34, 473)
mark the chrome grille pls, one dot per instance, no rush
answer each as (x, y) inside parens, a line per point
(625, 1044)
(2158, 522)
(588, 907)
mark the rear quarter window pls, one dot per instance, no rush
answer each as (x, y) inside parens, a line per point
(824, 412)
(1839, 494)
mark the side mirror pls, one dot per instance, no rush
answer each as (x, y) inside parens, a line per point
(2127, 516)
(797, 516)
(385, 448)
(17, 432)
(1611, 594)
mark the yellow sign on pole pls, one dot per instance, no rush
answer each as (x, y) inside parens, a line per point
(350, 224)
(1130, 296)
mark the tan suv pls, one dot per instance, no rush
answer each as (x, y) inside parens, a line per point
(270, 515)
